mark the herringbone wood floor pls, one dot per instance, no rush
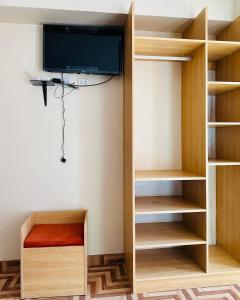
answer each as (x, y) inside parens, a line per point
(107, 279)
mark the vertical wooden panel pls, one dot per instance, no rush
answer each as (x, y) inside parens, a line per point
(195, 191)
(227, 69)
(194, 112)
(231, 33)
(228, 107)
(196, 222)
(228, 143)
(128, 170)
(198, 28)
(228, 209)
(199, 255)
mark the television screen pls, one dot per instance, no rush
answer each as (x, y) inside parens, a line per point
(78, 49)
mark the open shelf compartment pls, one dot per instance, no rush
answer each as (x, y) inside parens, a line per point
(171, 234)
(224, 31)
(176, 150)
(157, 46)
(170, 263)
(170, 197)
(224, 144)
(224, 229)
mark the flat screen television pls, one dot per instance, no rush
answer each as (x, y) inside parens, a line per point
(81, 49)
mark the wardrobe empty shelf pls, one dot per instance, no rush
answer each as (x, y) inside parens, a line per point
(218, 87)
(220, 49)
(165, 204)
(165, 263)
(164, 234)
(221, 262)
(165, 46)
(222, 162)
(223, 124)
(155, 175)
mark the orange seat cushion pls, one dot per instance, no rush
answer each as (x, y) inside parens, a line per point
(53, 235)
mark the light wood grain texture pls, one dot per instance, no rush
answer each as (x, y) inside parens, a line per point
(231, 32)
(149, 175)
(227, 107)
(218, 87)
(228, 207)
(165, 263)
(198, 28)
(223, 124)
(59, 217)
(165, 46)
(128, 170)
(165, 234)
(221, 162)
(228, 143)
(194, 113)
(25, 229)
(165, 204)
(196, 281)
(41, 267)
(199, 254)
(53, 271)
(197, 222)
(227, 69)
(212, 66)
(195, 192)
(218, 50)
(221, 262)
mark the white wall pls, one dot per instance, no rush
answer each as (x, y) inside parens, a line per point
(32, 177)
(218, 9)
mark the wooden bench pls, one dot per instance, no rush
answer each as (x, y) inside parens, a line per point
(54, 255)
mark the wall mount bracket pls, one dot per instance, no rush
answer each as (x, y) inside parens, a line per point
(44, 84)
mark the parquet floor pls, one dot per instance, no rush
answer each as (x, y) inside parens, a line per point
(107, 279)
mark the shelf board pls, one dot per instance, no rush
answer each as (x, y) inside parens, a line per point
(164, 234)
(156, 175)
(165, 204)
(165, 46)
(165, 263)
(221, 262)
(218, 87)
(222, 162)
(220, 49)
(223, 124)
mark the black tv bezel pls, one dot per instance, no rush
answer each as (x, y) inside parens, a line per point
(118, 30)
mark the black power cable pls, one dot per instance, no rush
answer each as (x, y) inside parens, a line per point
(63, 159)
(73, 87)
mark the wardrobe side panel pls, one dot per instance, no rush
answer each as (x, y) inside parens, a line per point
(194, 113)
(128, 170)
(228, 209)
(198, 28)
(231, 33)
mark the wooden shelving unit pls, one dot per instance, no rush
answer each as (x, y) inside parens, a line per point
(218, 87)
(165, 46)
(222, 162)
(165, 234)
(165, 205)
(174, 254)
(218, 50)
(223, 124)
(149, 175)
(169, 263)
(221, 262)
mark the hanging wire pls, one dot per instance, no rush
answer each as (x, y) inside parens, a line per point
(73, 87)
(63, 159)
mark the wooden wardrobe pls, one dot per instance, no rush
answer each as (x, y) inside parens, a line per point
(201, 246)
